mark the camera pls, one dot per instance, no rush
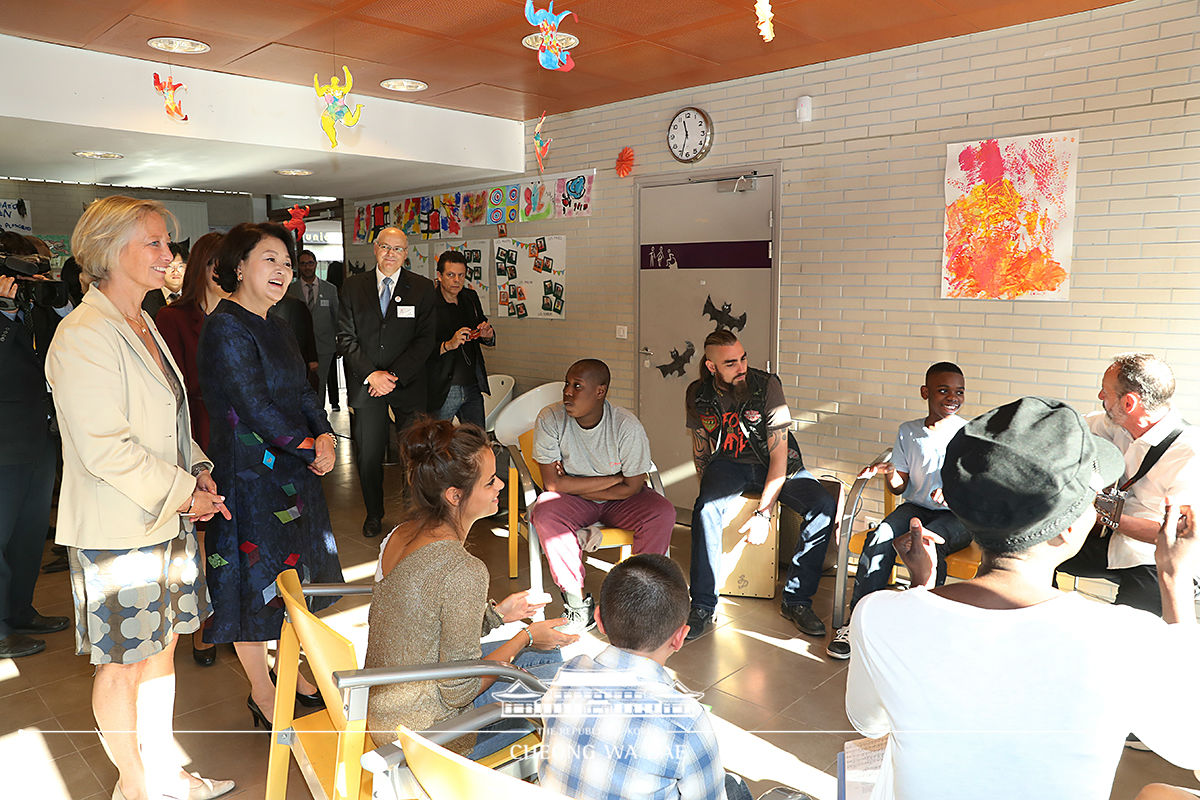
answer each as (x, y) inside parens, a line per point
(33, 291)
(1109, 504)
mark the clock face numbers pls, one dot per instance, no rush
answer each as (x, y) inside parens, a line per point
(689, 135)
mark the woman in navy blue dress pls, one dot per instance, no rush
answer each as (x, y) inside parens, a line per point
(270, 441)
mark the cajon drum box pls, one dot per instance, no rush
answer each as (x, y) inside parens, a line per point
(748, 570)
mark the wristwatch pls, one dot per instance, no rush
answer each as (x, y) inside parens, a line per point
(764, 513)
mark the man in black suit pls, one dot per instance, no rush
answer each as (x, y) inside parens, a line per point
(457, 375)
(28, 457)
(385, 335)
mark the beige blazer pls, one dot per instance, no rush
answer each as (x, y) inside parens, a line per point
(121, 432)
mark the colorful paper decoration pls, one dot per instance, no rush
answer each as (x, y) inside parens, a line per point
(503, 204)
(406, 216)
(336, 108)
(537, 202)
(766, 27)
(449, 213)
(550, 53)
(369, 220)
(174, 106)
(540, 146)
(296, 223)
(625, 162)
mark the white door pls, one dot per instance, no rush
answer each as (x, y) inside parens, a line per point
(705, 261)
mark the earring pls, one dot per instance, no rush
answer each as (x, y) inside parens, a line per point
(239, 276)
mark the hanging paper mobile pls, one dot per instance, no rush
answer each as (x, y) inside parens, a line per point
(336, 108)
(625, 162)
(550, 52)
(766, 28)
(296, 223)
(174, 106)
(540, 146)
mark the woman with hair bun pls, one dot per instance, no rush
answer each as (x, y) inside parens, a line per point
(430, 605)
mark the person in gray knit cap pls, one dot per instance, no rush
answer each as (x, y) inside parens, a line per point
(1007, 664)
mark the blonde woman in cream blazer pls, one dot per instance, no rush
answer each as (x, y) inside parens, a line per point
(134, 483)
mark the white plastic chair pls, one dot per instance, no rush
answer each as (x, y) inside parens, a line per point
(501, 391)
(518, 416)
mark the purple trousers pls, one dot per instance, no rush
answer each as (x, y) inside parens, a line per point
(556, 517)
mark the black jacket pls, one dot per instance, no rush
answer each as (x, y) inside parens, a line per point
(395, 343)
(441, 367)
(25, 406)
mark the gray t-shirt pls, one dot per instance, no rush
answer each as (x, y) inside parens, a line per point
(617, 444)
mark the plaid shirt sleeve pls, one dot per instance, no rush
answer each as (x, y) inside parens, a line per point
(701, 775)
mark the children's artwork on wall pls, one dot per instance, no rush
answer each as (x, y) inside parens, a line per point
(16, 216)
(551, 55)
(450, 216)
(531, 276)
(369, 220)
(473, 205)
(173, 104)
(503, 202)
(1010, 217)
(537, 201)
(337, 109)
(429, 219)
(574, 196)
(407, 212)
(477, 278)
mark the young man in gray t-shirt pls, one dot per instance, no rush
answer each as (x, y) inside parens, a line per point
(594, 458)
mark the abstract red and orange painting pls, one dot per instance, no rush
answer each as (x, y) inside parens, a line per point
(1010, 217)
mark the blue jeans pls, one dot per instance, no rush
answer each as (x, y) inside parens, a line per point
(720, 497)
(879, 556)
(465, 402)
(544, 664)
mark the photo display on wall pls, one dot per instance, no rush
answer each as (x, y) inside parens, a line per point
(531, 276)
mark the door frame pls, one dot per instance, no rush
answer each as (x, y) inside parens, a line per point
(764, 169)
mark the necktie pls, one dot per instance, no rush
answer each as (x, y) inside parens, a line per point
(385, 295)
(308, 295)
(172, 297)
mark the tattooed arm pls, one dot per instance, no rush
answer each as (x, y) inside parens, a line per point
(701, 450)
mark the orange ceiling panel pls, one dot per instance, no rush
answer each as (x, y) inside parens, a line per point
(128, 38)
(370, 40)
(62, 21)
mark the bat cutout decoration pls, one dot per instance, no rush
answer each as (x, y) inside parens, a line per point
(678, 361)
(723, 316)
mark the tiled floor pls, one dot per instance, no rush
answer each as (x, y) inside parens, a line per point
(777, 698)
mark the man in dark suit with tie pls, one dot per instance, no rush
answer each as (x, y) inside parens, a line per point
(322, 301)
(385, 334)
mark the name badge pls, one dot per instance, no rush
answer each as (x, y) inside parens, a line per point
(406, 312)
(324, 304)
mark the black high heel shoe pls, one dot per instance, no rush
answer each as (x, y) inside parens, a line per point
(313, 700)
(204, 656)
(256, 714)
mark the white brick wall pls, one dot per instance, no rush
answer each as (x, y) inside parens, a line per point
(862, 218)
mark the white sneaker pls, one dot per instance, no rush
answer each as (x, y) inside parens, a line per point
(839, 645)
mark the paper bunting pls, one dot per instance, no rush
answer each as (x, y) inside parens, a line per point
(337, 109)
(173, 105)
(551, 54)
(624, 162)
(541, 147)
(766, 27)
(215, 560)
(296, 223)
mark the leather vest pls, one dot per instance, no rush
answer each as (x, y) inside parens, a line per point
(751, 415)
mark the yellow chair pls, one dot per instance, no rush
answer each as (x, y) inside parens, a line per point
(526, 473)
(962, 565)
(329, 744)
(444, 775)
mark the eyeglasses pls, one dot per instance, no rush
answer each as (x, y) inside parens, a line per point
(388, 248)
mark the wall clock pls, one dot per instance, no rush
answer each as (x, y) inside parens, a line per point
(690, 135)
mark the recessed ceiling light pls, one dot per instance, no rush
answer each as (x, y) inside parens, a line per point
(175, 44)
(404, 85)
(96, 154)
(565, 41)
(293, 172)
